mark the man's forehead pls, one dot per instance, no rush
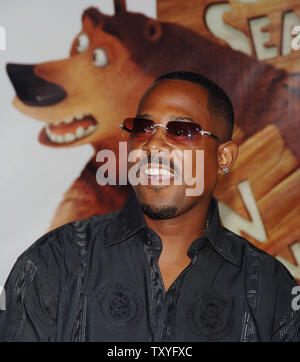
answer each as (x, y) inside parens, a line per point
(176, 88)
(175, 91)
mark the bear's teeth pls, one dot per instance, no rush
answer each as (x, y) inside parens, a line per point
(68, 120)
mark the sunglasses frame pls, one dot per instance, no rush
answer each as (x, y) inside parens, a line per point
(155, 125)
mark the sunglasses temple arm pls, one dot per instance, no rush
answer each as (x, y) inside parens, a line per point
(210, 134)
(125, 128)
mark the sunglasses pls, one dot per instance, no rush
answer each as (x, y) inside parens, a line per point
(176, 131)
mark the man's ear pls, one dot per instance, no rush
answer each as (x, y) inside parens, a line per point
(227, 154)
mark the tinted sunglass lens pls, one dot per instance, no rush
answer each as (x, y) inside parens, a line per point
(183, 132)
(142, 126)
(138, 126)
(128, 124)
(177, 131)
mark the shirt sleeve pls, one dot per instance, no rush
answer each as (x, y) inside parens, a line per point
(286, 322)
(30, 309)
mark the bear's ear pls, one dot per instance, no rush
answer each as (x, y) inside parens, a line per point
(120, 6)
(153, 30)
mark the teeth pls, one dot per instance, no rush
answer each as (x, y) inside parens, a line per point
(90, 129)
(48, 130)
(69, 137)
(157, 172)
(165, 172)
(152, 171)
(69, 120)
(59, 138)
(52, 137)
(79, 132)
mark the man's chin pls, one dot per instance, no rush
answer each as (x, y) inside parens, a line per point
(160, 202)
(159, 212)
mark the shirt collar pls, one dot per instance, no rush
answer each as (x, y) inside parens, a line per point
(131, 220)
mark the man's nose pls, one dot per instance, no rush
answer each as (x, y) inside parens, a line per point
(157, 141)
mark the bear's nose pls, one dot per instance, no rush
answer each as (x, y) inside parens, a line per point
(31, 89)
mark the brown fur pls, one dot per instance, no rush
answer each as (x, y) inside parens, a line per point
(141, 49)
(267, 93)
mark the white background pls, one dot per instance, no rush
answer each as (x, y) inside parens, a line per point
(33, 177)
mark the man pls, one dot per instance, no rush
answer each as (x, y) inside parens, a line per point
(163, 268)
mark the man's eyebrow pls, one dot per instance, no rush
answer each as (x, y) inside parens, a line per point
(143, 116)
(172, 117)
(182, 119)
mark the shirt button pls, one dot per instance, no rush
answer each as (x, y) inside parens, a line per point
(148, 241)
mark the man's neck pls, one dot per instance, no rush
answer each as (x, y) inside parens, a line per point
(179, 232)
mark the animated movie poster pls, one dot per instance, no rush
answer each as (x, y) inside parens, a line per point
(71, 72)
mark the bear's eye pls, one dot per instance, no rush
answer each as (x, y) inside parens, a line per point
(82, 43)
(100, 58)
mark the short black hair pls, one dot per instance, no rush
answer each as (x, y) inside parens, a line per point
(219, 104)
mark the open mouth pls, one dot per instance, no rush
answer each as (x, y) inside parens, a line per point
(157, 174)
(157, 171)
(69, 130)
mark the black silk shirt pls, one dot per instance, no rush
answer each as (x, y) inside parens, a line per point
(99, 280)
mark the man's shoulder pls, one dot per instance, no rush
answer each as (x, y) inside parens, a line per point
(254, 258)
(75, 234)
(65, 246)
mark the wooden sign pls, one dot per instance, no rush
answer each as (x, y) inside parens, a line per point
(262, 30)
(262, 24)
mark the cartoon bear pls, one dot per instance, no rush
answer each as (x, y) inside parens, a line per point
(113, 60)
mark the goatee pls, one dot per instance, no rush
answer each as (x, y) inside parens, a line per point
(164, 212)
